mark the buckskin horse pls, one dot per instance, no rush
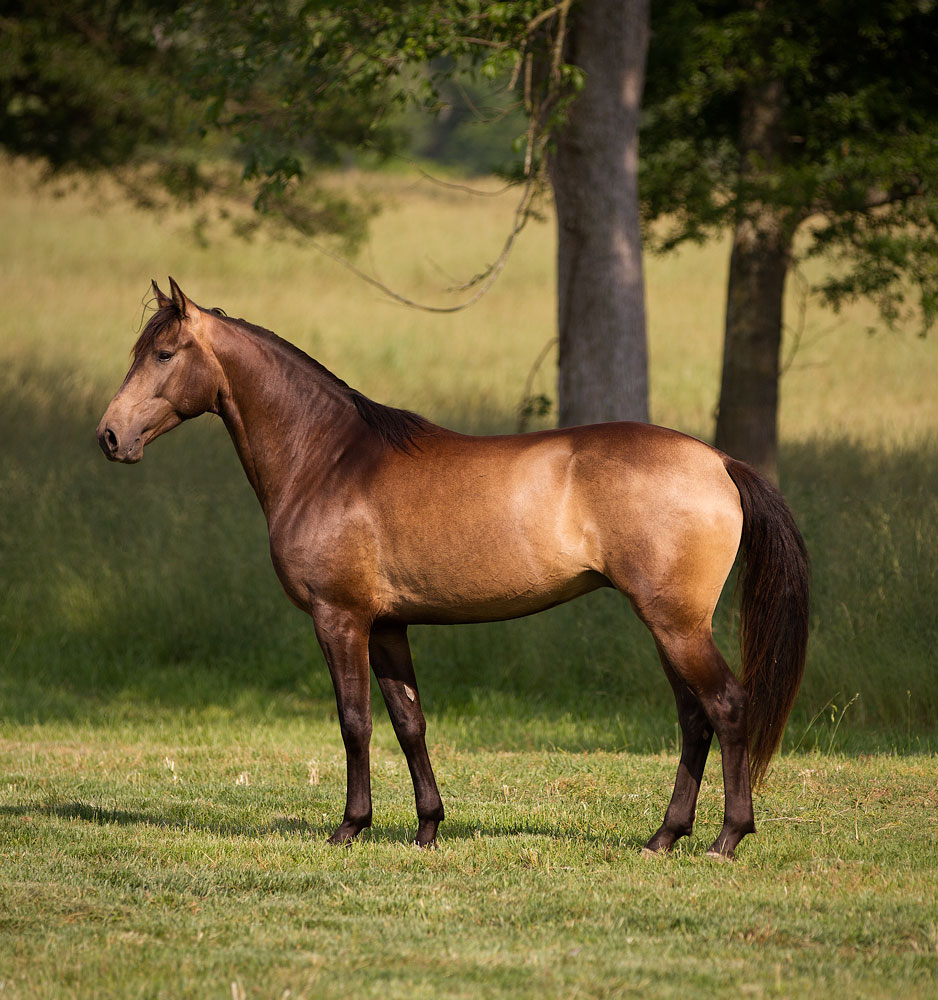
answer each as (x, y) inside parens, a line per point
(380, 519)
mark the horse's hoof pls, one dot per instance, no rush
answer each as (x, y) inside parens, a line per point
(648, 852)
(426, 833)
(719, 855)
(344, 836)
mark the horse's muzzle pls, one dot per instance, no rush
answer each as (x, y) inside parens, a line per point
(111, 446)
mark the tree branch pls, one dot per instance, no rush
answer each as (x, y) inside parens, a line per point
(484, 280)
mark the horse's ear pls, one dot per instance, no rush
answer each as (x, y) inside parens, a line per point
(179, 299)
(161, 300)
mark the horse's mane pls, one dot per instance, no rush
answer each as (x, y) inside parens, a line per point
(396, 428)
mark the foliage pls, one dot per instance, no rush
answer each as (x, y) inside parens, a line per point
(859, 164)
(284, 87)
(295, 84)
(89, 83)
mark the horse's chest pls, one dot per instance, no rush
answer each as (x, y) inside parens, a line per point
(329, 560)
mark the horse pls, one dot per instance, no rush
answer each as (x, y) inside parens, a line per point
(379, 519)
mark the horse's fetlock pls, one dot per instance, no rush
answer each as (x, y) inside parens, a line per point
(431, 813)
(360, 821)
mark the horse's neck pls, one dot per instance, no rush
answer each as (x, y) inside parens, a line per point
(283, 416)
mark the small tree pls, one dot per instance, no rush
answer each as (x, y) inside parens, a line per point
(779, 118)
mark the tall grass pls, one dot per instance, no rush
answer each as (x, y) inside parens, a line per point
(146, 590)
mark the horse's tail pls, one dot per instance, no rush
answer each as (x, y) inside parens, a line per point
(774, 609)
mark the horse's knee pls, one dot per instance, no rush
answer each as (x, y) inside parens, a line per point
(356, 727)
(412, 729)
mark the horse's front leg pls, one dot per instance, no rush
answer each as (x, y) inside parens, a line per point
(392, 664)
(344, 640)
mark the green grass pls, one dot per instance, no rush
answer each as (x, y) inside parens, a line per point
(164, 708)
(154, 868)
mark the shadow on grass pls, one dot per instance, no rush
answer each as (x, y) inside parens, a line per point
(151, 586)
(293, 826)
(108, 816)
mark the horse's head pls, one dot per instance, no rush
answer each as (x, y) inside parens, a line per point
(174, 376)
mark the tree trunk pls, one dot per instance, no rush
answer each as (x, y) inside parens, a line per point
(747, 421)
(603, 357)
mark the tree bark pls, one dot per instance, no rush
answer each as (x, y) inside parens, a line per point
(747, 420)
(603, 357)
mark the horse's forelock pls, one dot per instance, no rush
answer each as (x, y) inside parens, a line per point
(157, 323)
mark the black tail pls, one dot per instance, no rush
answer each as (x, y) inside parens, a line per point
(774, 609)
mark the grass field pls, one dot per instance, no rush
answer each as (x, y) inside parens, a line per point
(170, 762)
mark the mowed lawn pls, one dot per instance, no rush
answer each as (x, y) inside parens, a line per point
(144, 867)
(170, 760)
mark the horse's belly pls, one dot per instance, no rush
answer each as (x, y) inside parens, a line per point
(494, 591)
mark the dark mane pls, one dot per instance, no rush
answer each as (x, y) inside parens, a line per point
(396, 428)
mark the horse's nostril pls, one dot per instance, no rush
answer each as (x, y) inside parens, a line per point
(109, 439)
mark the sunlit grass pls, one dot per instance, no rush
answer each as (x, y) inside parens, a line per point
(183, 867)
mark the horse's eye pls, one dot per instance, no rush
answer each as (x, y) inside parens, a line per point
(165, 355)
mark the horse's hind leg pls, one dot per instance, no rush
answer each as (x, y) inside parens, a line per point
(696, 735)
(698, 663)
(392, 665)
